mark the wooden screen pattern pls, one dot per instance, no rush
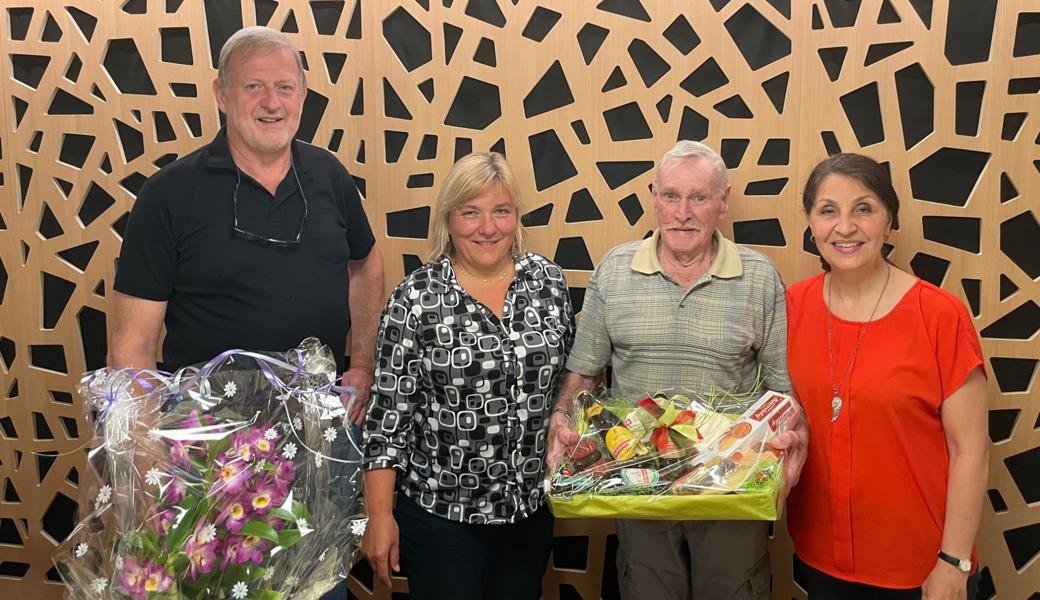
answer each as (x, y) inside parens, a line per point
(582, 97)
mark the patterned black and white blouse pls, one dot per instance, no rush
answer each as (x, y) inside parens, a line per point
(462, 399)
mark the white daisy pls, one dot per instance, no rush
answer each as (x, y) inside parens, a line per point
(207, 534)
(302, 523)
(230, 389)
(119, 563)
(239, 590)
(269, 574)
(81, 549)
(104, 494)
(297, 423)
(330, 434)
(322, 556)
(270, 434)
(358, 527)
(153, 477)
(317, 460)
(289, 451)
(291, 581)
(98, 585)
(153, 434)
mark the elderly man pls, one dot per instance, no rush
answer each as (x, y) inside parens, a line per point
(253, 241)
(685, 307)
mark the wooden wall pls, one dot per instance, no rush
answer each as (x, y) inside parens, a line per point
(582, 97)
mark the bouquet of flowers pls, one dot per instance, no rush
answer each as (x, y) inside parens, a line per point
(236, 479)
(671, 456)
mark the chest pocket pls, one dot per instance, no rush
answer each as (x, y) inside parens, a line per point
(327, 233)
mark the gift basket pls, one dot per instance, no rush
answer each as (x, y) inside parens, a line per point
(234, 479)
(673, 455)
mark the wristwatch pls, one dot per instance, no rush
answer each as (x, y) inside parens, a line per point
(963, 565)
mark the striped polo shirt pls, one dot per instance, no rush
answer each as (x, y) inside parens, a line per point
(655, 334)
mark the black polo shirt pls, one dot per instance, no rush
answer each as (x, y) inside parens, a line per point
(223, 291)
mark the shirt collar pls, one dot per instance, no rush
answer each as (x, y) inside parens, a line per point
(523, 267)
(218, 154)
(726, 264)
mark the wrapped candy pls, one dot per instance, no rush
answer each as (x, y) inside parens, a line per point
(234, 479)
(672, 456)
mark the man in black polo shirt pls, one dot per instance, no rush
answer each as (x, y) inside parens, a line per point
(255, 240)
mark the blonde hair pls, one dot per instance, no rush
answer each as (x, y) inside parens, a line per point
(689, 150)
(254, 39)
(470, 177)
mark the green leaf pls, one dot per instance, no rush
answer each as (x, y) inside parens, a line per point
(260, 530)
(269, 595)
(281, 513)
(220, 446)
(300, 510)
(185, 528)
(287, 538)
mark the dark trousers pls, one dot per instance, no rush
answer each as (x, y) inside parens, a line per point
(459, 561)
(821, 586)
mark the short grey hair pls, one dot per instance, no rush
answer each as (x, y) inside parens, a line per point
(255, 39)
(690, 150)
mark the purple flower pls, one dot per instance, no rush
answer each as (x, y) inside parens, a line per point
(264, 495)
(158, 580)
(131, 580)
(201, 549)
(241, 550)
(179, 453)
(265, 441)
(283, 473)
(174, 491)
(230, 476)
(164, 520)
(233, 515)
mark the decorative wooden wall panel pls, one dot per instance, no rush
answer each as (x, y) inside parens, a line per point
(582, 97)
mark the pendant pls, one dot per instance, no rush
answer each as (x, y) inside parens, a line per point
(835, 407)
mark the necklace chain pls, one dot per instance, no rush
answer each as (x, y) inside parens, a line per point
(499, 277)
(836, 401)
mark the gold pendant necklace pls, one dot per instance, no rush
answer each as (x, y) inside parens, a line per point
(836, 401)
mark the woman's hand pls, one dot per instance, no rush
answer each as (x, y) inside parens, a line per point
(945, 583)
(562, 439)
(381, 547)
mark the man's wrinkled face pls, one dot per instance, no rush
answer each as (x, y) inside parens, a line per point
(689, 200)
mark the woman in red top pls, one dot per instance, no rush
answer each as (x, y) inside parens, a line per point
(889, 370)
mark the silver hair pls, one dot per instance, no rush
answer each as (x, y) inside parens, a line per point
(689, 150)
(255, 39)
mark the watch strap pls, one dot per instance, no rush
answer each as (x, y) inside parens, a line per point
(962, 565)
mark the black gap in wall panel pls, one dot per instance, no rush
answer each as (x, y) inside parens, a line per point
(394, 143)
(222, 20)
(354, 25)
(124, 65)
(776, 151)
(632, 9)
(419, 180)
(29, 68)
(19, 20)
(1024, 85)
(705, 78)
(767, 187)
(550, 160)
(782, 6)
(759, 232)
(310, 118)
(130, 140)
(79, 256)
(1013, 374)
(56, 295)
(92, 334)
(664, 107)
(1002, 424)
(551, 92)
(8, 353)
(476, 105)
(1007, 287)
(487, 11)
(863, 110)
(571, 253)
(426, 88)
(879, 52)
(930, 268)
(357, 107)
(540, 24)
(649, 64)
(538, 217)
(732, 151)
(184, 90)
(361, 185)
(336, 139)
(60, 517)
(923, 8)
(1018, 240)
(999, 506)
(95, 202)
(948, 176)
(176, 45)
(1023, 543)
(463, 146)
(718, 5)
(327, 14)
(9, 531)
(1023, 468)
(817, 20)
(916, 97)
(1019, 324)
(427, 148)
(734, 108)
(969, 107)
(485, 53)
(830, 143)
(13, 391)
(163, 128)
(590, 38)
(759, 41)
(63, 103)
(20, 106)
(194, 123)
(577, 295)
(973, 292)
(409, 40)
(776, 90)
(681, 35)
(570, 552)
(65, 187)
(452, 35)
(119, 225)
(618, 173)
(969, 31)
(36, 141)
(41, 429)
(48, 356)
(1012, 125)
(7, 426)
(10, 492)
(626, 122)
(49, 226)
(582, 208)
(843, 13)
(631, 208)
(14, 570)
(412, 223)
(84, 20)
(361, 146)
(393, 106)
(75, 65)
(615, 80)
(963, 233)
(334, 62)
(99, 289)
(264, 10)
(581, 132)
(887, 14)
(44, 462)
(411, 263)
(1027, 34)
(692, 126)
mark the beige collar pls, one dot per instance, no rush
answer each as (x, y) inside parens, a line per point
(725, 265)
